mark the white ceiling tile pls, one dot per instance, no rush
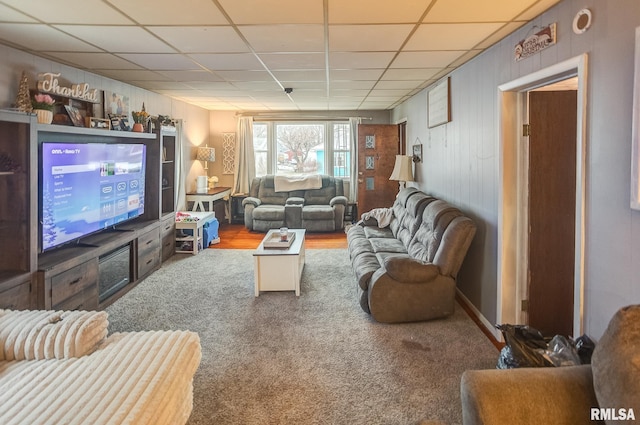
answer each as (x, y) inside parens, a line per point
(191, 75)
(94, 60)
(131, 75)
(160, 61)
(355, 74)
(163, 85)
(499, 35)
(376, 11)
(228, 61)
(274, 11)
(293, 61)
(284, 38)
(388, 93)
(71, 11)
(245, 75)
(425, 59)
(360, 60)
(536, 9)
(354, 84)
(117, 39)
(306, 85)
(211, 85)
(11, 15)
(222, 39)
(476, 11)
(42, 38)
(450, 36)
(358, 38)
(163, 12)
(257, 85)
(298, 76)
(401, 84)
(409, 74)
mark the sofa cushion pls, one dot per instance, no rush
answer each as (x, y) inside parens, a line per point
(317, 212)
(435, 219)
(616, 363)
(377, 232)
(320, 196)
(387, 245)
(269, 212)
(267, 192)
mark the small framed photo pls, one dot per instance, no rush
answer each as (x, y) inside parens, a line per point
(99, 123)
(370, 142)
(417, 153)
(119, 122)
(76, 117)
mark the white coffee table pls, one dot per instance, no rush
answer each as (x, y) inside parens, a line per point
(279, 269)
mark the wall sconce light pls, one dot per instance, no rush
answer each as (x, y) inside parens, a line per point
(206, 155)
(402, 170)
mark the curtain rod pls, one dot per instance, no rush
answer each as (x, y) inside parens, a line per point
(299, 117)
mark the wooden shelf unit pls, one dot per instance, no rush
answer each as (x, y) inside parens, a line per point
(69, 277)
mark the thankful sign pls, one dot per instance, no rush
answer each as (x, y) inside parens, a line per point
(49, 83)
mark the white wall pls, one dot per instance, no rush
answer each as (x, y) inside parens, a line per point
(195, 119)
(461, 158)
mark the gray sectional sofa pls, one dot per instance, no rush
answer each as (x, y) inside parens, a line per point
(406, 272)
(316, 210)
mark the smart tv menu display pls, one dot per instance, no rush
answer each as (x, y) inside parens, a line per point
(87, 187)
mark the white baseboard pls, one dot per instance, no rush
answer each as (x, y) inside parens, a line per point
(488, 325)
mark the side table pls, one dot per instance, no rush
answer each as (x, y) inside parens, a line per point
(194, 224)
(212, 195)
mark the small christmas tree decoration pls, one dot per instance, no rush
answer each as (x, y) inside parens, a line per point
(23, 100)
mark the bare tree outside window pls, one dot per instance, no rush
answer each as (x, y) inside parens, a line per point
(300, 148)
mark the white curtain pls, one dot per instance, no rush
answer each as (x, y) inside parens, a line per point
(353, 184)
(181, 193)
(245, 163)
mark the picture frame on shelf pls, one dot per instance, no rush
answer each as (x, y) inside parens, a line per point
(115, 103)
(119, 122)
(74, 114)
(99, 123)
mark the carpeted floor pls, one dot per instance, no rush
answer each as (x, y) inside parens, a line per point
(316, 359)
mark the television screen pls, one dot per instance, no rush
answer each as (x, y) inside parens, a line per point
(87, 187)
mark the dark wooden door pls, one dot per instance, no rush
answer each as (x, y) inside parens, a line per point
(552, 203)
(377, 149)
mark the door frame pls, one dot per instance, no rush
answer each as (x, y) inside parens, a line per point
(512, 205)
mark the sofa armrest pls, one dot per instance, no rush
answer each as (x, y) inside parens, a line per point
(407, 269)
(561, 396)
(39, 334)
(250, 200)
(338, 200)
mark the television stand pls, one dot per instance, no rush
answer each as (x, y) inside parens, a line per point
(116, 229)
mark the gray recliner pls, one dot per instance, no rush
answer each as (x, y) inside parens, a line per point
(316, 210)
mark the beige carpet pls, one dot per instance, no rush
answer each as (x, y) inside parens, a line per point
(316, 359)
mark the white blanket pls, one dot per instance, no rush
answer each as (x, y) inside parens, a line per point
(382, 215)
(297, 182)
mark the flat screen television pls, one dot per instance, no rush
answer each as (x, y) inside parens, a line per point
(88, 187)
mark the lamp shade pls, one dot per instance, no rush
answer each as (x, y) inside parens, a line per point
(206, 154)
(403, 169)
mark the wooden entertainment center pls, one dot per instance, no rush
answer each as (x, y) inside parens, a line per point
(107, 264)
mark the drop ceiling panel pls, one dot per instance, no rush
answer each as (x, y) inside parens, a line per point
(378, 11)
(116, 39)
(274, 11)
(222, 39)
(284, 38)
(450, 36)
(160, 61)
(248, 48)
(476, 11)
(71, 11)
(163, 12)
(360, 60)
(94, 61)
(358, 38)
(42, 38)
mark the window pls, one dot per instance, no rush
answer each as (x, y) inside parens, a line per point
(302, 148)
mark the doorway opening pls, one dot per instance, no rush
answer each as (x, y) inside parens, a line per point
(514, 210)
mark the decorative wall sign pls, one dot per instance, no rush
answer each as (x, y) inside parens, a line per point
(439, 105)
(49, 83)
(536, 43)
(228, 153)
(370, 142)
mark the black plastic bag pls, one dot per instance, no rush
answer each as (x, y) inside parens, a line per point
(524, 347)
(585, 347)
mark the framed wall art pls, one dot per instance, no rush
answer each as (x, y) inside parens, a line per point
(439, 104)
(115, 104)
